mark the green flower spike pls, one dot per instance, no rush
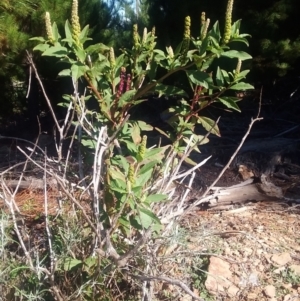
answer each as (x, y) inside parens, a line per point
(153, 31)
(135, 36)
(75, 23)
(49, 28)
(142, 149)
(205, 28)
(238, 69)
(145, 35)
(203, 18)
(228, 20)
(186, 36)
(170, 52)
(152, 45)
(112, 59)
(131, 173)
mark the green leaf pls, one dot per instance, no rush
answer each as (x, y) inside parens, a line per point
(142, 179)
(136, 134)
(118, 186)
(120, 61)
(157, 152)
(78, 70)
(70, 263)
(237, 54)
(122, 162)
(215, 32)
(65, 72)
(130, 145)
(63, 104)
(225, 76)
(208, 123)
(40, 39)
(160, 55)
(169, 90)
(204, 46)
(241, 86)
(41, 47)
(219, 78)
(98, 48)
(242, 75)
(90, 261)
(229, 103)
(147, 167)
(68, 31)
(80, 53)
(123, 220)
(88, 143)
(126, 97)
(235, 28)
(242, 40)
(200, 139)
(148, 217)
(207, 63)
(57, 51)
(84, 33)
(144, 126)
(115, 173)
(162, 132)
(55, 32)
(154, 198)
(187, 159)
(199, 78)
(152, 71)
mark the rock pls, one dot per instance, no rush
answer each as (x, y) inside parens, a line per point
(287, 297)
(186, 298)
(270, 291)
(220, 278)
(281, 259)
(295, 269)
(279, 270)
(252, 296)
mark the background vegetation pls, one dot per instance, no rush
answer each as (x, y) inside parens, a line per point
(275, 42)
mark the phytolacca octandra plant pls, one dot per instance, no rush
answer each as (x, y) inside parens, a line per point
(119, 82)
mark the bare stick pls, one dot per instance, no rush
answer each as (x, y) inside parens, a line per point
(51, 252)
(29, 82)
(43, 90)
(171, 281)
(61, 129)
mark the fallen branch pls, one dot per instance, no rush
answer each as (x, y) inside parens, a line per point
(176, 282)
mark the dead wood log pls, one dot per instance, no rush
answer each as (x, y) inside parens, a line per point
(239, 195)
(32, 183)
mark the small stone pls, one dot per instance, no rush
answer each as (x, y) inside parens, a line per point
(186, 298)
(247, 251)
(261, 267)
(220, 278)
(287, 297)
(287, 286)
(259, 252)
(227, 251)
(270, 291)
(279, 270)
(281, 259)
(295, 269)
(252, 296)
